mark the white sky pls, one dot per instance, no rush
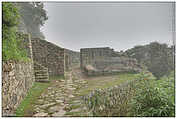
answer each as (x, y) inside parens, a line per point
(116, 25)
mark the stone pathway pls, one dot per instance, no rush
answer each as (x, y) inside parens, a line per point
(61, 98)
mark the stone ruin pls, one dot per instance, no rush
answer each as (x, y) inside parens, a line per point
(104, 60)
(56, 59)
(46, 59)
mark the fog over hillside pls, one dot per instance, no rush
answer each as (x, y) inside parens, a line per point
(117, 25)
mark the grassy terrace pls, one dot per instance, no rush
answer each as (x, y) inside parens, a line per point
(26, 106)
(101, 82)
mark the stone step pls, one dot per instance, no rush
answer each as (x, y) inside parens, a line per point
(38, 66)
(41, 73)
(44, 74)
(42, 80)
(41, 70)
(41, 77)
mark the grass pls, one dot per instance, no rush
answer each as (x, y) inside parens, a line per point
(26, 106)
(74, 114)
(58, 77)
(161, 94)
(102, 82)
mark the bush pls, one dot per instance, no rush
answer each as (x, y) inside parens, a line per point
(10, 43)
(152, 99)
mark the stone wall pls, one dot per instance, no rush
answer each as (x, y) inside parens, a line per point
(110, 101)
(26, 43)
(49, 55)
(72, 58)
(88, 55)
(101, 61)
(17, 79)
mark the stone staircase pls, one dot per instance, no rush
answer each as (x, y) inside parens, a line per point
(41, 73)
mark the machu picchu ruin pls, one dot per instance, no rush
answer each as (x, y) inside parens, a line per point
(102, 61)
(88, 59)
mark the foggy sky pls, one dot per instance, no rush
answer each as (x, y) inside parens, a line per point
(117, 25)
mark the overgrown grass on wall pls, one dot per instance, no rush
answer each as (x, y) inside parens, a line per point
(10, 41)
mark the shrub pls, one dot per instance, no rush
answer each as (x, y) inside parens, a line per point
(152, 99)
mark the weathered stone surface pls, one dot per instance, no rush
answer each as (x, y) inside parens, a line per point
(103, 61)
(76, 110)
(41, 114)
(54, 108)
(59, 98)
(47, 105)
(59, 101)
(59, 114)
(53, 57)
(40, 102)
(48, 55)
(41, 73)
(16, 81)
(71, 58)
(71, 96)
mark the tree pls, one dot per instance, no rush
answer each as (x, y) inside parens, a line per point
(34, 16)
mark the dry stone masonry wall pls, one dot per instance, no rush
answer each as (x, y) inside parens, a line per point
(110, 101)
(17, 79)
(101, 61)
(88, 55)
(49, 56)
(41, 73)
(72, 58)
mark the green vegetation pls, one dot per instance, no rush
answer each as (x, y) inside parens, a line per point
(159, 58)
(33, 16)
(58, 77)
(10, 42)
(142, 97)
(154, 97)
(112, 101)
(26, 106)
(102, 82)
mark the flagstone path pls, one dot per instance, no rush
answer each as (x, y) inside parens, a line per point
(61, 98)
